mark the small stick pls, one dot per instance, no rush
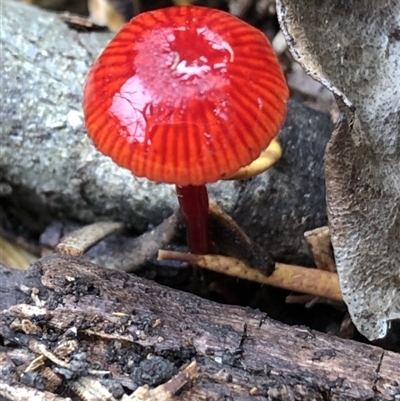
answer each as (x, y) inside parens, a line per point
(291, 277)
(79, 241)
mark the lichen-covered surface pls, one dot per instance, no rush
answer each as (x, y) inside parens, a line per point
(353, 47)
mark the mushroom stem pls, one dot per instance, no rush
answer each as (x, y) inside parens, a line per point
(193, 201)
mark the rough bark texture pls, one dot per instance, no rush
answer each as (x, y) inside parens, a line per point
(96, 319)
(48, 166)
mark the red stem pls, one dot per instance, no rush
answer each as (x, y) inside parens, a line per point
(193, 201)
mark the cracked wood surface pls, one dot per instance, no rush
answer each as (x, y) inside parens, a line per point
(119, 321)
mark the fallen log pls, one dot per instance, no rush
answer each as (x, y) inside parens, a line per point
(82, 327)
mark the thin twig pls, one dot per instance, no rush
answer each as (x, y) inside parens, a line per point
(78, 242)
(291, 277)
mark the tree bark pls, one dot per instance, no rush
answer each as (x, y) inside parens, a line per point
(122, 331)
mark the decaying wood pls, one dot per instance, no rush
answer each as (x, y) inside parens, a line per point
(120, 332)
(133, 253)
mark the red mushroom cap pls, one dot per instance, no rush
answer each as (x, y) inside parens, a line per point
(185, 95)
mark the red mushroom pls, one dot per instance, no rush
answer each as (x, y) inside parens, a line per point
(186, 96)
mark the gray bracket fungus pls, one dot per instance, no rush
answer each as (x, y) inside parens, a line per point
(353, 48)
